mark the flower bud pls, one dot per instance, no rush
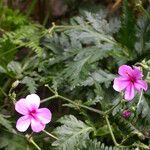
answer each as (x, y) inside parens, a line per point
(126, 114)
(15, 84)
(133, 108)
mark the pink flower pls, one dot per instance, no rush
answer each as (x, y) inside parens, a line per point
(32, 114)
(129, 81)
(126, 114)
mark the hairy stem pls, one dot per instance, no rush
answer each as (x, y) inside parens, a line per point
(52, 28)
(56, 95)
(54, 92)
(140, 99)
(80, 105)
(30, 139)
(128, 136)
(111, 109)
(49, 98)
(110, 130)
(37, 147)
(49, 134)
(74, 103)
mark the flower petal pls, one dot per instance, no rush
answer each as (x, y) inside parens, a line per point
(129, 92)
(44, 115)
(33, 101)
(125, 70)
(36, 125)
(141, 84)
(137, 73)
(21, 107)
(120, 83)
(23, 123)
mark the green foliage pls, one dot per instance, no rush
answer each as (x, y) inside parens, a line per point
(95, 145)
(88, 52)
(27, 36)
(10, 19)
(127, 30)
(142, 44)
(143, 110)
(4, 122)
(88, 41)
(99, 76)
(71, 133)
(30, 83)
(126, 127)
(14, 68)
(78, 59)
(7, 51)
(12, 142)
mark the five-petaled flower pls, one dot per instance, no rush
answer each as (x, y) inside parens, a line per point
(129, 81)
(32, 114)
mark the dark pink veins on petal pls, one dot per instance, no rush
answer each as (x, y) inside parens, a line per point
(131, 78)
(33, 114)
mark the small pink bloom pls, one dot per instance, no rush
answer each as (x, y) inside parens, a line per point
(129, 80)
(126, 114)
(32, 114)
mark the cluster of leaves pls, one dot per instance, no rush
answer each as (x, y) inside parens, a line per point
(89, 49)
(10, 19)
(78, 59)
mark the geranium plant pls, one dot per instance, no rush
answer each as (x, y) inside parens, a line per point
(80, 84)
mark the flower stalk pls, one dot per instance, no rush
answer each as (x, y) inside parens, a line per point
(74, 103)
(30, 140)
(111, 132)
(49, 134)
(140, 99)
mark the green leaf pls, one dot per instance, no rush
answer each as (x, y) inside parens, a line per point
(102, 131)
(91, 102)
(127, 31)
(126, 127)
(3, 70)
(4, 122)
(142, 44)
(11, 19)
(141, 145)
(30, 83)
(99, 76)
(71, 133)
(143, 109)
(26, 36)
(7, 51)
(97, 145)
(12, 142)
(74, 70)
(15, 68)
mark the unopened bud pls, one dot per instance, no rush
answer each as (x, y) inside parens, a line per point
(126, 114)
(15, 84)
(133, 108)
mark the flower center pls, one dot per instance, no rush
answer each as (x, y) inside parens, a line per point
(32, 113)
(131, 78)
